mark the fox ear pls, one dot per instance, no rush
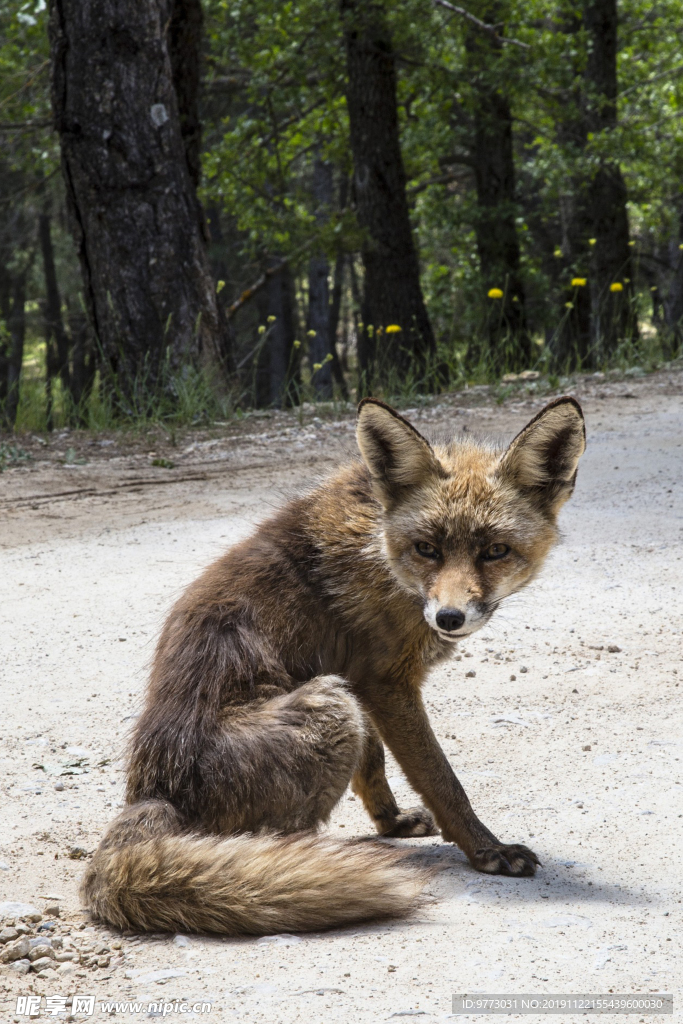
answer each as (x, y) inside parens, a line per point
(544, 456)
(392, 449)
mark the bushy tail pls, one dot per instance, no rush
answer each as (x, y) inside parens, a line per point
(247, 884)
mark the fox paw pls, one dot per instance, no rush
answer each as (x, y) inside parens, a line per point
(505, 860)
(416, 821)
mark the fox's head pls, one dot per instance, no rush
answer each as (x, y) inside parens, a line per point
(466, 525)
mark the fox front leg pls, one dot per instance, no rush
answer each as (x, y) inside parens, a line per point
(370, 784)
(402, 721)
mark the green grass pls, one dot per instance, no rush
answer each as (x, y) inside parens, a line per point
(189, 398)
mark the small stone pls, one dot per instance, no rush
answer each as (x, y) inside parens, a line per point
(21, 966)
(8, 934)
(41, 951)
(59, 786)
(15, 909)
(613, 649)
(523, 668)
(117, 944)
(42, 941)
(103, 961)
(587, 747)
(101, 948)
(22, 928)
(575, 690)
(179, 940)
(41, 964)
(57, 942)
(65, 956)
(52, 909)
(4, 866)
(471, 674)
(18, 950)
(512, 678)
(65, 968)
(77, 853)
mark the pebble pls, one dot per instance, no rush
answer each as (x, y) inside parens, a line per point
(15, 950)
(53, 910)
(179, 940)
(66, 956)
(41, 952)
(77, 853)
(41, 964)
(15, 909)
(7, 934)
(4, 866)
(471, 674)
(21, 966)
(59, 786)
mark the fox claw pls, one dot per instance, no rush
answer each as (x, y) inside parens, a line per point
(515, 860)
(416, 821)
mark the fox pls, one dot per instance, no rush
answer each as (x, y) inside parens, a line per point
(283, 672)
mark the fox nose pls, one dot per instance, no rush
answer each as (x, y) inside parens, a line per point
(450, 619)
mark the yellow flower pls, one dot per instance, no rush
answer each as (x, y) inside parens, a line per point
(220, 285)
(592, 241)
(296, 344)
(311, 334)
(495, 293)
(616, 287)
(578, 282)
(393, 329)
(626, 280)
(558, 253)
(262, 328)
(653, 288)
(631, 243)
(317, 366)
(328, 358)
(569, 305)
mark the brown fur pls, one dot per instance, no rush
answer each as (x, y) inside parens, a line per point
(287, 665)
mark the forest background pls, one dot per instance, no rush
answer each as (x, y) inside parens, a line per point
(208, 206)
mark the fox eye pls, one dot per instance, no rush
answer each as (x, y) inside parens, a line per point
(426, 550)
(494, 551)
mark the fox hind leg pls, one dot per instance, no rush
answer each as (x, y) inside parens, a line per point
(370, 783)
(283, 765)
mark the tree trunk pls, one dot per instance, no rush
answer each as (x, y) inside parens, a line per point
(393, 296)
(277, 364)
(494, 171)
(595, 244)
(130, 189)
(14, 351)
(54, 324)
(320, 342)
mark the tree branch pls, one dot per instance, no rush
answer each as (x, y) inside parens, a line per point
(490, 30)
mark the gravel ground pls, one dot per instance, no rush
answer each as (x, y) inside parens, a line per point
(568, 738)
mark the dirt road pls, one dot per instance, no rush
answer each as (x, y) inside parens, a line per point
(568, 738)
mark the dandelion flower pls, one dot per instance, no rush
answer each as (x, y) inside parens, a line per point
(627, 280)
(578, 282)
(557, 253)
(631, 243)
(272, 319)
(569, 305)
(495, 293)
(617, 286)
(311, 334)
(296, 344)
(393, 329)
(220, 285)
(317, 366)
(592, 241)
(262, 329)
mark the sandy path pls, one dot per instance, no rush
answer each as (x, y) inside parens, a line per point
(578, 756)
